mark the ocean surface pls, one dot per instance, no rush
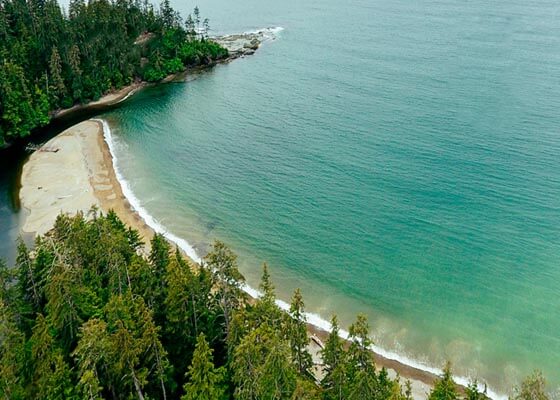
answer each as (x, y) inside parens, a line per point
(396, 158)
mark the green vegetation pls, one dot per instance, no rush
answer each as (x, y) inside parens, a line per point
(49, 60)
(89, 313)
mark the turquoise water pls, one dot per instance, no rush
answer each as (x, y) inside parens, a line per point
(395, 158)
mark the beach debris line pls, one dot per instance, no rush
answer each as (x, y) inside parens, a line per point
(41, 148)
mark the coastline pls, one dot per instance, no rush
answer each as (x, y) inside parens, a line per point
(238, 46)
(86, 151)
(107, 100)
(86, 163)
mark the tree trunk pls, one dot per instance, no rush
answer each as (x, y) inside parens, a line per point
(137, 386)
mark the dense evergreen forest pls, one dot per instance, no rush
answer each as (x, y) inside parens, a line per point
(51, 60)
(89, 313)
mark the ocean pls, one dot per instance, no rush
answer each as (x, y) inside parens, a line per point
(395, 158)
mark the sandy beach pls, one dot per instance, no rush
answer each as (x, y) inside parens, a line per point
(74, 171)
(107, 100)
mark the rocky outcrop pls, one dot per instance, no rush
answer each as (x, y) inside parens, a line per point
(245, 44)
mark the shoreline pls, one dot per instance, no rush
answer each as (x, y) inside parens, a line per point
(90, 150)
(238, 46)
(107, 100)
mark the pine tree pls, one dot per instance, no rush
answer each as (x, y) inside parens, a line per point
(532, 388)
(205, 28)
(361, 367)
(297, 334)
(93, 357)
(359, 352)
(42, 352)
(159, 260)
(57, 87)
(134, 344)
(205, 381)
(64, 297)
(18, 114)
(12, 351)
(227, 280)
(334, 382)
(306, 390)
(473, 393)
(277, 375)
(262, 367)
(266, 311)
(444, 388)
(74, 63)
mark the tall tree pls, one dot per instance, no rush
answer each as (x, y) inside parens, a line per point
(17, 105)
(297, 334)
(52, 379)
(445, 387)
(93, 358)
(12, 356)
(227, 280)
(532, 388)
(205, 381)
(266, 311)
(472, 392)
(57, 88)
(361, 367)
(334, 382)
(262, 367)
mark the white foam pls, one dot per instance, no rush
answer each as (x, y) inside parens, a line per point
(135, 202)
(129, 94)
(313, 319)
(269, 33)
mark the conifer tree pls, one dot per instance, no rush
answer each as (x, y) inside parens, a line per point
(12, 351)
(334, 382)
(93, 358)
(262, 367)
(444, 388)
(57, 87)
(227, 280)
(277, 375)
(360, 355)
(266, 311)
(361, 367)
(65, 298)
(306, 390)
(159, 260)
(472, 392)
(205, 381)
(532, 388)
(297, 334)
(135, 345)
(18, 115)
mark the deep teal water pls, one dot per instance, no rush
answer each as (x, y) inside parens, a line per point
(395, 158)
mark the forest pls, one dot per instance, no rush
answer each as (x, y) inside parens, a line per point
(52, 58)
(92, 312)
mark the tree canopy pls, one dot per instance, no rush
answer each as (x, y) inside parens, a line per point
(50, 59)
(88, 314)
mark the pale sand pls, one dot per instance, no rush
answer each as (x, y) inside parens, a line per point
(105, 101)
(80, 174)
(75, 178)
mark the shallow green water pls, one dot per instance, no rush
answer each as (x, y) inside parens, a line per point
(389, 157)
